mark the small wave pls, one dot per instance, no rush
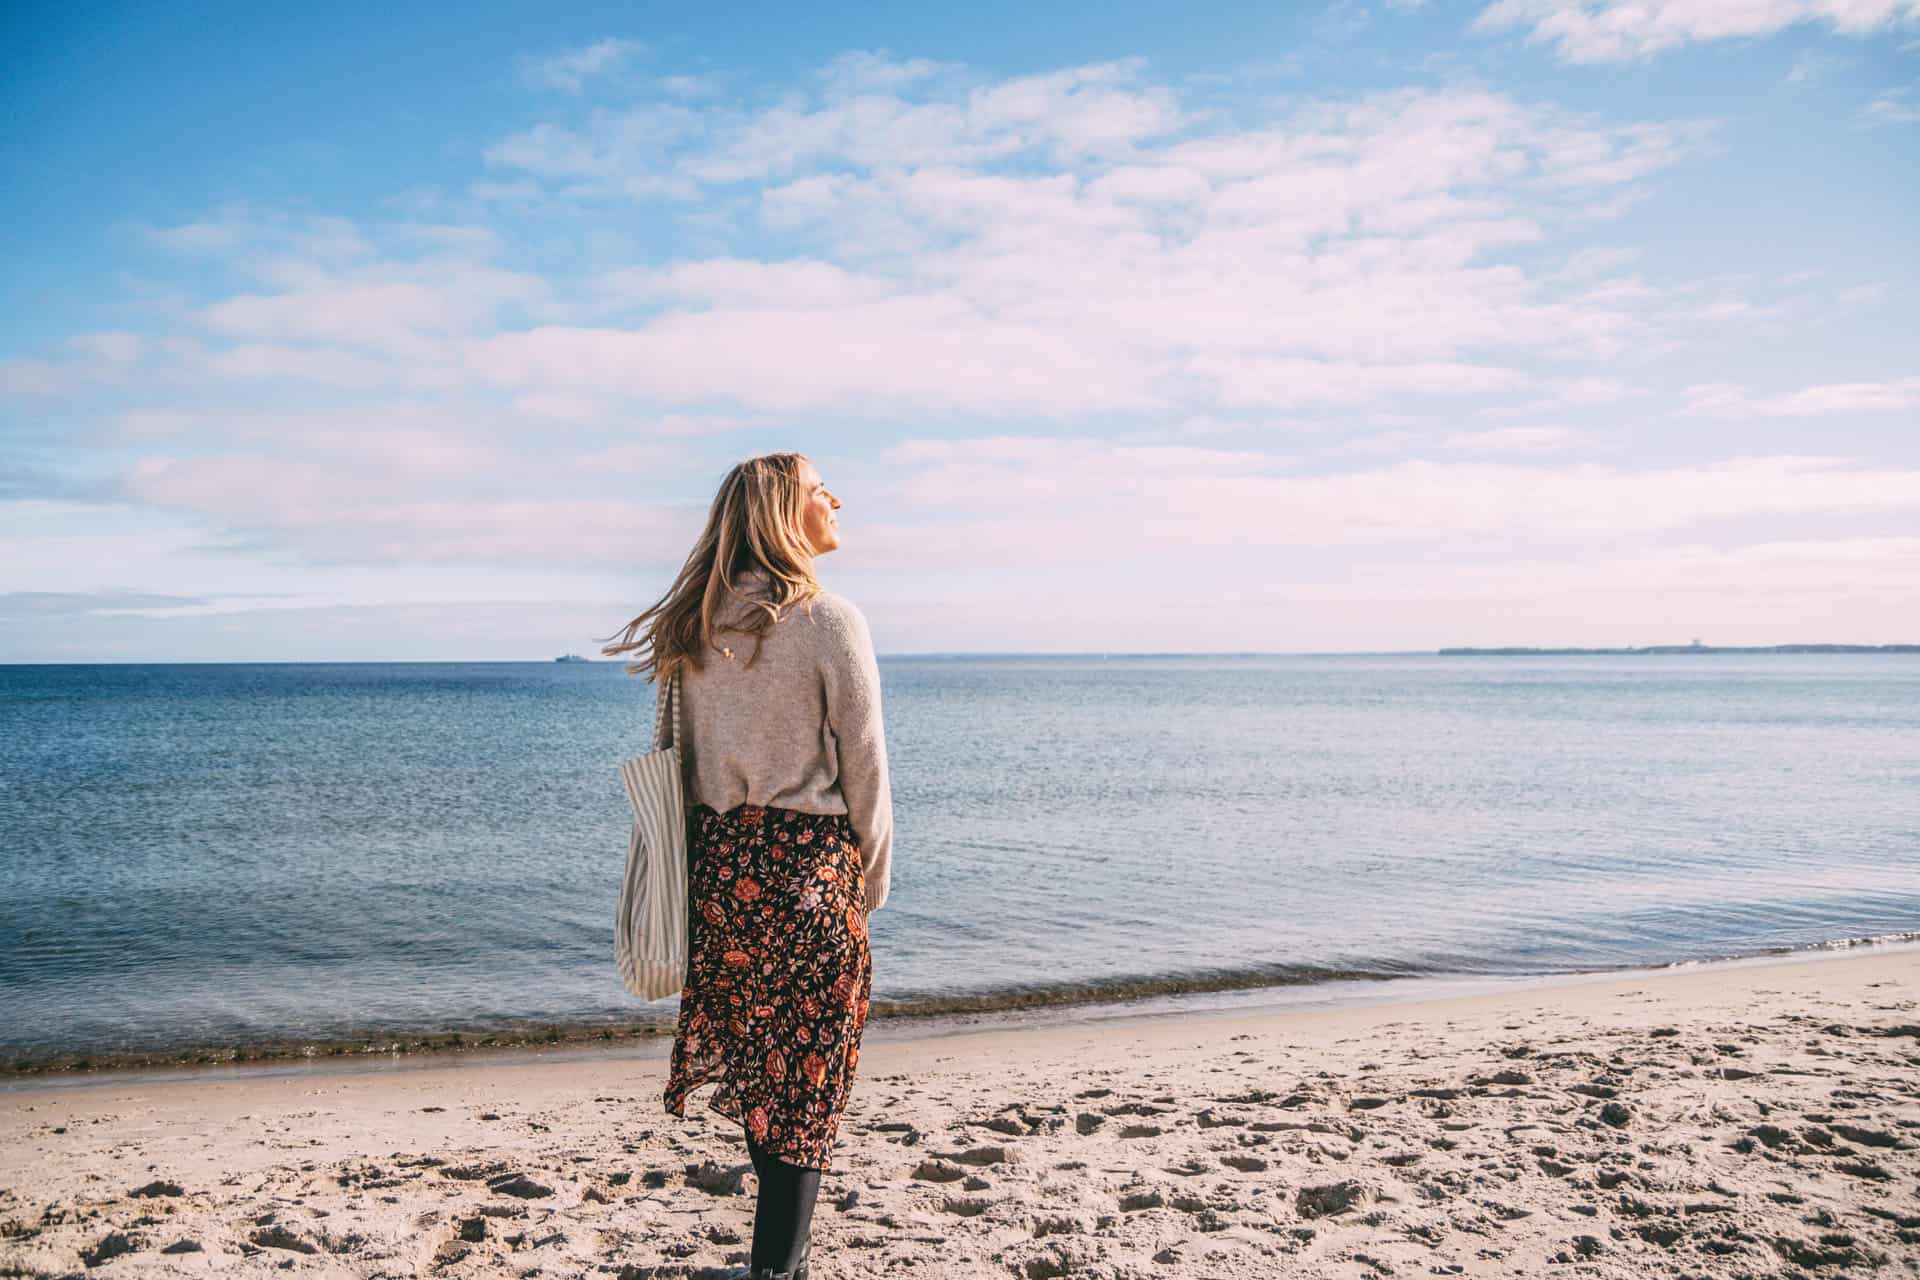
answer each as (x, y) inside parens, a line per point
(1125, 987)
(586, 1032)
(1899, 937)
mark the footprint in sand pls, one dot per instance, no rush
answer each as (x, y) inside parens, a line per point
(938, 1171)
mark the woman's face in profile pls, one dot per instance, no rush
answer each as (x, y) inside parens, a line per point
(818, 521)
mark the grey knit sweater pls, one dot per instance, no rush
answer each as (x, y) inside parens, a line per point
(800, 729)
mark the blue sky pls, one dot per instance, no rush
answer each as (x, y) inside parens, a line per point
(376, 333)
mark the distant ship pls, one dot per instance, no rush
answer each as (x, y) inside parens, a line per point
(572, 657)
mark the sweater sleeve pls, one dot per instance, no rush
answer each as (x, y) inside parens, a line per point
(852, 678)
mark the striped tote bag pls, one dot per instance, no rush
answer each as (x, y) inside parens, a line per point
(650, 923)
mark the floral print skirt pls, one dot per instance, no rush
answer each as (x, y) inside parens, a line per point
(778, 975)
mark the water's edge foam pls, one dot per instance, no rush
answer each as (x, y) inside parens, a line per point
(1357, 984)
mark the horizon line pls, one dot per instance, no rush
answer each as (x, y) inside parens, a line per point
(1443, 651)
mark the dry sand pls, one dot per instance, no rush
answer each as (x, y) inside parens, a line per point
(1759, 1120)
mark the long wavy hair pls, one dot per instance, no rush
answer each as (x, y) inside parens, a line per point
(754, 523)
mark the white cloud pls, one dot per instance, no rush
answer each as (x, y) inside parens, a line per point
(1380, 444)
(328, 302)
(1893, 107)
(1766, 592)
(1890, 396)
(645, 458)
(570, 72)
(1512, 440)
(1081, 221)
(1771, 574)
(406, 441)
(1590, 391)
(867, 71)
(1812, 66)
(1082, 499)
(1078, 241)
(1026, 501)
(620, 153)
(17, 604)
(466, 476)
(87, 358)
(742, 282)
(473, 243)
(868, 358)
(348, 511)
(895, 249)
(399, 316)
(1266, 382)
(115, 346)
(1871, 294)
(1623, 30)
(1083, 109)
(323, 366)
(216, 597)
(197, 237)
(1599, 262)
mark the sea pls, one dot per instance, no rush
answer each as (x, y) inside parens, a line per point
(213, 858)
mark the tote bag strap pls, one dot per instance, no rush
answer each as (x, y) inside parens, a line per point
(669, 697)
(673, 686)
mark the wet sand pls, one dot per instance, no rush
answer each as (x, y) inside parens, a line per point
(1748, 1120)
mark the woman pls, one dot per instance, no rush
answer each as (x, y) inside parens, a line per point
(789, 831)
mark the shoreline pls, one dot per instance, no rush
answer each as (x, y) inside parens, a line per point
(1754, 1118)
(650, 1040)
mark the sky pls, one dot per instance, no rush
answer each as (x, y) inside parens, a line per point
(364, 332)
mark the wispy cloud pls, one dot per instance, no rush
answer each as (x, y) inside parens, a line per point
(1083, 499)
(1626, 30)
(1060, 246)
(1812, 67)
(1091, 316)
(40, 604)
(343, 512)
(1890, 396)
(1512, 440)
(570, 72)
(1087, 235)
(1899, 106)
(1871, 294)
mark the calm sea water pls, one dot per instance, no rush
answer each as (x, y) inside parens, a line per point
(201, 855)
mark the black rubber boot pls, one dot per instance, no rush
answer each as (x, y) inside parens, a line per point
(800, 1272)
(783, 1218)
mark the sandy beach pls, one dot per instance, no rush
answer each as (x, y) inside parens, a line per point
(1745, 1120)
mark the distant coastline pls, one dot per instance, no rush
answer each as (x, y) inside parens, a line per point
(1688, 648)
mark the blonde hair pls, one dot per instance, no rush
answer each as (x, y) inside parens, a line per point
(754, 523)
